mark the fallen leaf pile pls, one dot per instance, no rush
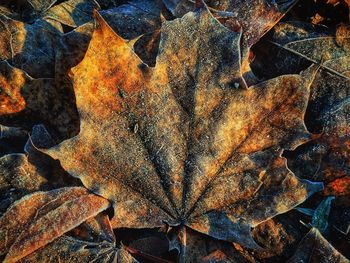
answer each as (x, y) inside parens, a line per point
(174, 131)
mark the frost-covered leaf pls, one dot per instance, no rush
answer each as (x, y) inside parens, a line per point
(164, 143)
(71, 13)
(67, 249)
(39, 218)
(40, 5)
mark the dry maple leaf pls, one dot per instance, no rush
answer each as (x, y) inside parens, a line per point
(196, 246)
(183, 143)
(72, 13)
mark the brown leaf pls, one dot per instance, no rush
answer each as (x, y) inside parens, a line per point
(315, 248)
(40, 5)
(10, 96)
(38, 218)
(184, 142)
(256, 17)
(22, 212)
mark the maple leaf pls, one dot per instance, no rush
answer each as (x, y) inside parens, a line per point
(72, 13)
(36, 218)
(183, 142)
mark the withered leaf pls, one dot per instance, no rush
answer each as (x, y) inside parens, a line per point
(22, 174)
(325, 157)
(255, 17)
(16, 85)
(40, 5)
(184, 142)
(39, 218)
(315, 248)
(33, 47)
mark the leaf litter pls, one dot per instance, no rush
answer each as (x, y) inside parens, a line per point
(165, 116)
